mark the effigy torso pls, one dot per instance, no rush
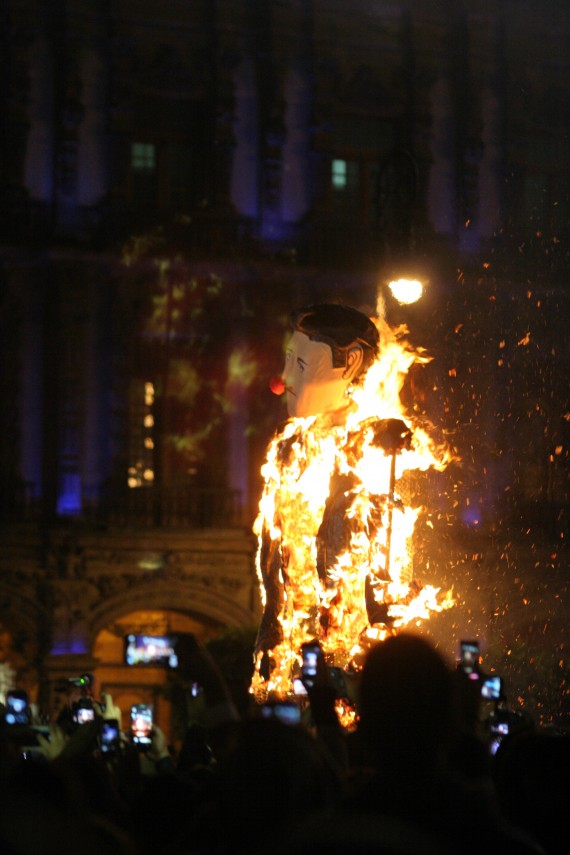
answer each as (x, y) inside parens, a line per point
(335, 528)
(320, 542)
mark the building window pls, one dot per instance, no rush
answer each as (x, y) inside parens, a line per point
(143, 157)
(339, 174)
(144, 169)
(345, 175)
(182, 176)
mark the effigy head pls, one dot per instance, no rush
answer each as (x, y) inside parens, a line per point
(331, 347)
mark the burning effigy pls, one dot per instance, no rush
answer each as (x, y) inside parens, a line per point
(334, 557)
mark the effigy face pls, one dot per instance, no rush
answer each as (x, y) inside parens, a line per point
(312, 385)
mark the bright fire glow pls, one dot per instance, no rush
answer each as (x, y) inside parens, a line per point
(377, 549)
(406, 291)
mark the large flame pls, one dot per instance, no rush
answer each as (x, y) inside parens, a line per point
(378, 555)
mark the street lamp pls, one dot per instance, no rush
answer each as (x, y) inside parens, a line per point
(406, 291)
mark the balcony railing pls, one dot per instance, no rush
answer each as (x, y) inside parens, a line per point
(178, 506)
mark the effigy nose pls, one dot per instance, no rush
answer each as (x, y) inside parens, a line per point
(277, 385)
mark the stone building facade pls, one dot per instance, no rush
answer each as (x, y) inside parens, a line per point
(287, 150)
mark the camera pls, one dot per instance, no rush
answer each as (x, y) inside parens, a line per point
(140, 649)
(18, 708)
(84, 682)
(141, 725)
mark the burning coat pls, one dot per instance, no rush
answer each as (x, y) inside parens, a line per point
(322, 558)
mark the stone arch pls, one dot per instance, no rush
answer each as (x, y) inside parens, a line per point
(23, 633)
(189, 599)
(21, 611)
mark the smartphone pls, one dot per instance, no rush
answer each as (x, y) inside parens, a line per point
(287, 712)
(141, 725)
(140, 649)
(299, 688)
(337, 676)
(17, 708)
(310, 651)
(469, 658)
(84, 711)
(109, 738)
(492, 688)
(499, 730)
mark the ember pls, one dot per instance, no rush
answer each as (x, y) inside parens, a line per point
(334, 527)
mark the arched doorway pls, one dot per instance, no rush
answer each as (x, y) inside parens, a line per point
(20, 631)
(150, 684)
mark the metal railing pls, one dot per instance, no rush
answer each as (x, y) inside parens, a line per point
(178, 506)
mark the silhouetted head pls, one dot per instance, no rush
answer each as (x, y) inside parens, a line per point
(406, 700)
(531, 780)
(276, 777)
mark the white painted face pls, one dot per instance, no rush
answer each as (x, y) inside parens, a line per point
(313, 386)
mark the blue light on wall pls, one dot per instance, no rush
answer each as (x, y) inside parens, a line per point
(72, 645)
(69, 498)
(472, 515)
(273, 229)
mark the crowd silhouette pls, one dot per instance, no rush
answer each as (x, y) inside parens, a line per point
(427, 767)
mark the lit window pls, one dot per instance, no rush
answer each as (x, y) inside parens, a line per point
(143, 157)
(339, 174)
(142, 399)
(149, 394)
(345, 176)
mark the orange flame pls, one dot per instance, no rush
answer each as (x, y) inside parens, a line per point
(377, 553)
